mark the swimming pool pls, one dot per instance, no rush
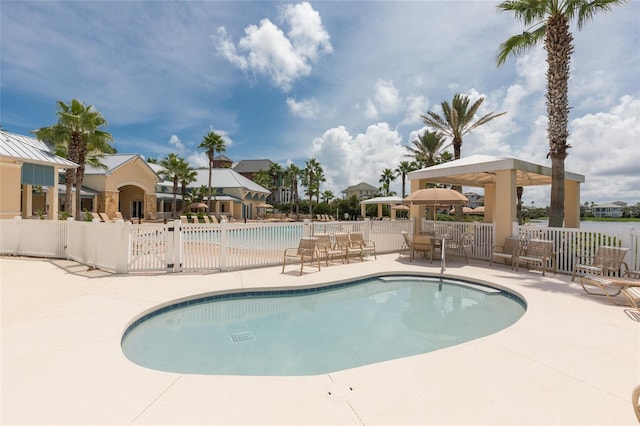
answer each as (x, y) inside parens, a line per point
(318, 330)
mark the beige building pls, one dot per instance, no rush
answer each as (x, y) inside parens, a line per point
(30, 185)
(29, 177)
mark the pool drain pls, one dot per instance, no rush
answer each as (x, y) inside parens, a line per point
(242, 337)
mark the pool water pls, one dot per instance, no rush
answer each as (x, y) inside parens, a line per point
(316, 331)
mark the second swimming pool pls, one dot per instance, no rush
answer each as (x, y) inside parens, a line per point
(318, 330)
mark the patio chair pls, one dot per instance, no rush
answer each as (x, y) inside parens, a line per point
(328, 250)
(206, 218)
(537, 255)
(307, 251)
(343, 241)
(407, 245)
(507, 252)
(609, 286)
(423, 244)
(95, 215)
(461, 245)
(119, 216)
(606, 261)
(367, 246)
(184, 219)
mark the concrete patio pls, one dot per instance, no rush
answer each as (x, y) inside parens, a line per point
(572, 359)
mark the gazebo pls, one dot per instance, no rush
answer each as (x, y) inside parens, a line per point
(499, 176)
(380, 201)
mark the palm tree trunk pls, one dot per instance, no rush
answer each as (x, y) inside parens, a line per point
(558, 44)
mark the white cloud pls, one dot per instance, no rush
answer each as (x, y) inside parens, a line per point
(348, 160)
(176, 143)
(268, 51)
(605, 149)
(307, 108)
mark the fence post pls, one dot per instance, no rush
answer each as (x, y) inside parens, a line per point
(224, 244)
(68, 237)
(122, 262)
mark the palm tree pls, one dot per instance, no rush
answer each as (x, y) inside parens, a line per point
(311, 175)
(327, 196)
(275, 171)
(77, 134)
(171, 169)
(263, 178)
(457, 121)
(427, 149)
(291, 176)
(386, 178)
(548, 21)
(212, 144)
(403, 168)
(187, 176)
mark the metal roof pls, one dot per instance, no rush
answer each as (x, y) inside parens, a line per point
(252, 166)
(221, 178)
(115, 161)
(30, 150)
(479, 170)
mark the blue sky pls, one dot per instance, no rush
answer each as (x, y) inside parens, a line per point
(343, 82)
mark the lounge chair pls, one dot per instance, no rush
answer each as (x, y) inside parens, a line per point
(608, 286)
(307, 251)
(507, 252)
(632, 294)
(606, 261)
(105, 217)
(95, 215)
(329, 250)
(367, 246)
(184, 219)
(635, 399)
(119, 216)
(224, 218)
(343, 241)
(423, 244)
(538, 254)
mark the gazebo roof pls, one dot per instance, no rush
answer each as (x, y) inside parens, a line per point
(383, 200)
(479, 170)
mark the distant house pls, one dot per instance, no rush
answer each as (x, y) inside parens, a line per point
(615, 209)
(475, 200)
(249, 168)
(362, 190)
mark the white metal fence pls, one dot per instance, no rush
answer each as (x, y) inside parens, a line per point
(173, 247)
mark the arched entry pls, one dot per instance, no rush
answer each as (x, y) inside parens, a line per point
(131, 201)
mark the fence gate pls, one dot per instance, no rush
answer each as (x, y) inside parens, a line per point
(151, 248)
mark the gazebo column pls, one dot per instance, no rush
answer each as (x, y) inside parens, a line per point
(571, 204)
(489, 202)
(505, 205)
(363, 210)
(416, 212)
(379, 210)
